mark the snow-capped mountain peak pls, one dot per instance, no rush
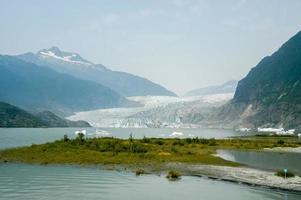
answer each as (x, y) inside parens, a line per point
(56, 53)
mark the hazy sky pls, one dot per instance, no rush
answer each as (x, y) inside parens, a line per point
(181, 44)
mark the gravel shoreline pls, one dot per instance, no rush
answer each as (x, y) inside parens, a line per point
(241, 175)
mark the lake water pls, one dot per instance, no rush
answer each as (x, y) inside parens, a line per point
(20, 181)
(265, 160)
(13, 137)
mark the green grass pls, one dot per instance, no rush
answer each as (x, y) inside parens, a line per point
(137, 151)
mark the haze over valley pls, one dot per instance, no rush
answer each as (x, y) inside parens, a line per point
(171, 100)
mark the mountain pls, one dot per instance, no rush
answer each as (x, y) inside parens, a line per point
(270, 95)
(38, 88)
(12, 116)
(228, 87)
(72, 63)
(53, 120)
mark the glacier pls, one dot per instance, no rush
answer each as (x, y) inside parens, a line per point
(155, 112)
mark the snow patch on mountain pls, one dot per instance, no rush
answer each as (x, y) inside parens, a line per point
(69, 58)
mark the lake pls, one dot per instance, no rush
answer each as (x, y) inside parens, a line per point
(264, 160)
(13, 137)
(21, 181)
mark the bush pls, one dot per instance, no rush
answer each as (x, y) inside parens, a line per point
(66, 139)
(131, 139)
(159, 142)
(145, 140)
(212, 142)
(281, 173)
(188, 140)
(203, 141)
(80, 138)
(137, 148)
(139, 171)
(281, 142)
(178, 142)
(173, 175)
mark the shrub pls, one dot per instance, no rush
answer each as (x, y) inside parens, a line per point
(145, 140)
(281, 142)
(174, 149)
(66, 139)
(281, 173)
(203, 141)
(139, 172)
(212, 142)
(188, 140)
(80, 138)
(137, 148)
(159, 142)
(173, 175)
(178, 142)
(131, 139)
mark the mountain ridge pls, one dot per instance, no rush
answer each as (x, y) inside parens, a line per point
(125, 84)
(227, 87)
(12, 116)
(270, 94)
(37, 88)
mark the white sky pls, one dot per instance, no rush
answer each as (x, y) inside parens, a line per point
(180, 44)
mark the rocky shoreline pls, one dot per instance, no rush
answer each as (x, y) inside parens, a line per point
(241, 175)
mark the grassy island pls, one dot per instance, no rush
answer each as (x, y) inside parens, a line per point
(109, 150)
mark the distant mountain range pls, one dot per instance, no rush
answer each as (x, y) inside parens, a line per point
(73, 64)
(12, 116)
(270, 95)
(228, 87)
(37, 88)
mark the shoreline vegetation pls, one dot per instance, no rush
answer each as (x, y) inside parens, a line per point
(172, 156)
(110, 150)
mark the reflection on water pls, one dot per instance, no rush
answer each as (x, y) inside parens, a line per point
(265, 160)
(19, 181)
(13, 137)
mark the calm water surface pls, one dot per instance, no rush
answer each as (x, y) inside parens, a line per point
(13, 137)
(265, 160)
(20, 181)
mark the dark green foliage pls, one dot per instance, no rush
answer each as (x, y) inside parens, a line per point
(281, 173)
(53, 120)
(212, 142)
(66, 139)
(158, 141)
(80, 138)
(11, 116)
(131, 138)
(280, 142)
(173, 175)
(145, 140)
(139, 172)
(178, 142)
